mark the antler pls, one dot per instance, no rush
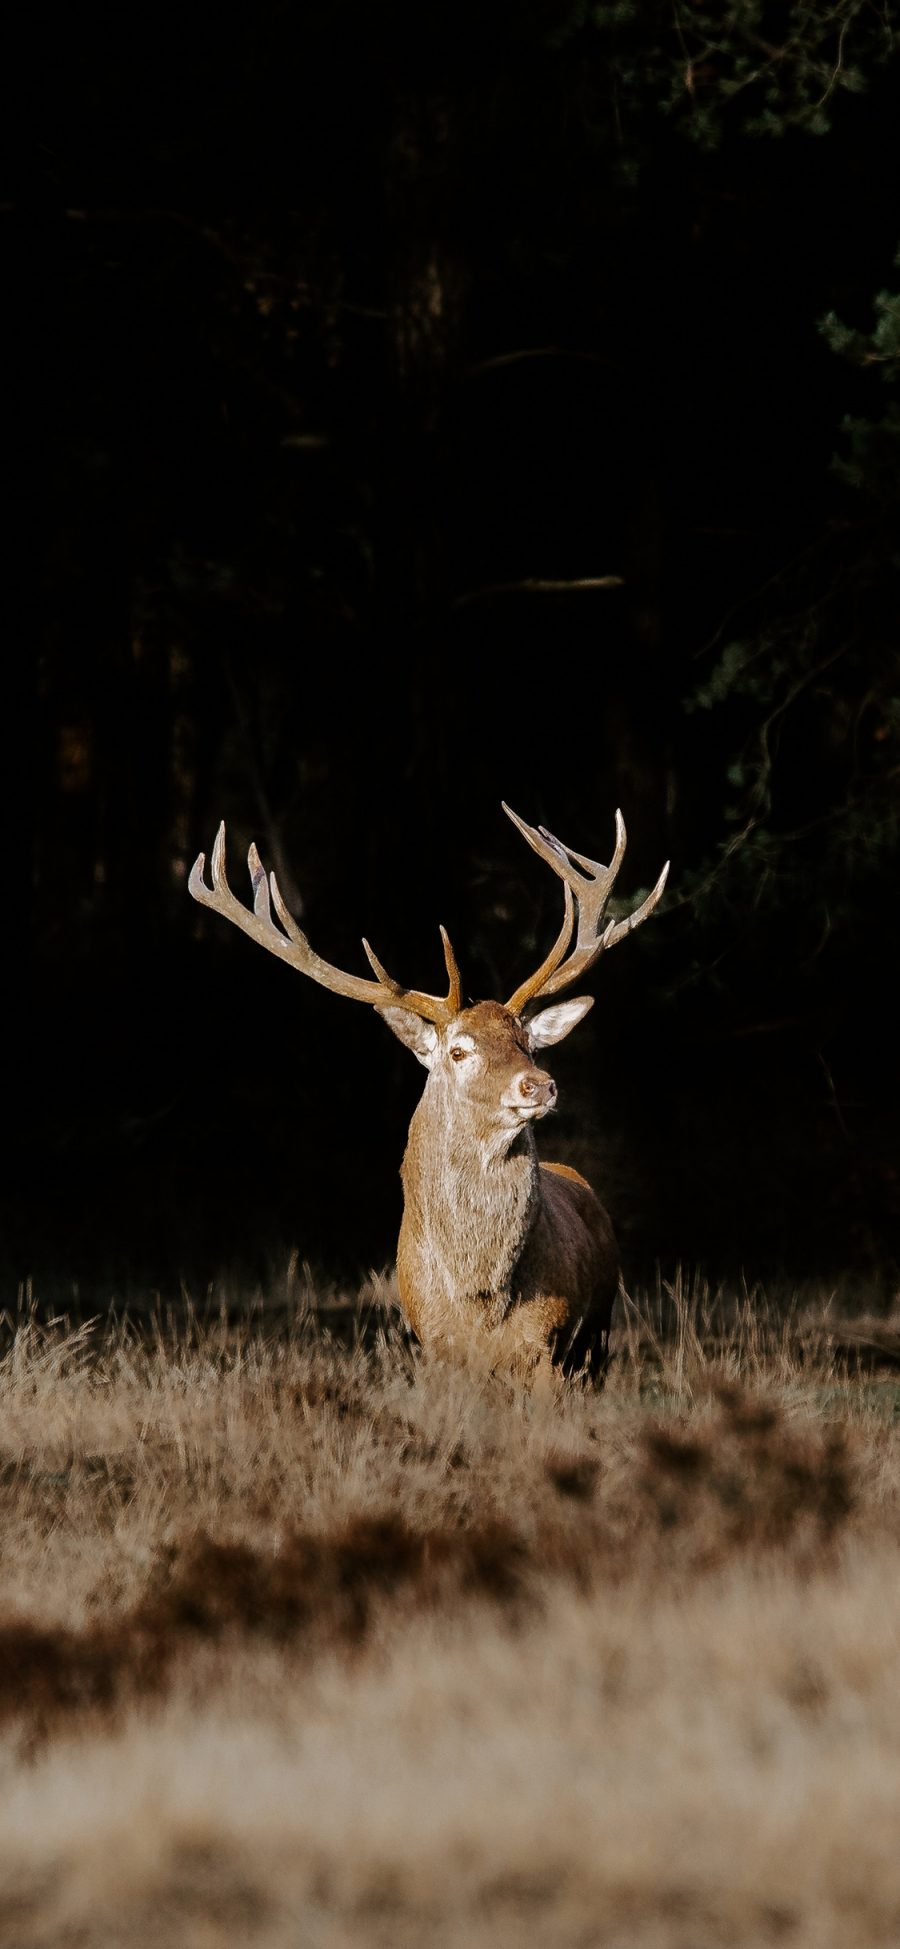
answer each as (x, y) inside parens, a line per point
(292, 945)
(591, 890)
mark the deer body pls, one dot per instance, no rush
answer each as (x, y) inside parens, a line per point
(499, 1254)
(497, 1251)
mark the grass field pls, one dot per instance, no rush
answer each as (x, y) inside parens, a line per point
(306, 1640)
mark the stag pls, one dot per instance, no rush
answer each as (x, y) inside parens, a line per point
(499, 1254)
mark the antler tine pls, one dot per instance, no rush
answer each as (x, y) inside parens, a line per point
(293, 947)
(446, 1006)
(453, 1002)
(591, 890)
(549, 849)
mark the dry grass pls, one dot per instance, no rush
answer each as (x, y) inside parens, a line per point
(305, 1640)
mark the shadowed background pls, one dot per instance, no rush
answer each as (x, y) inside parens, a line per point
(351, 347)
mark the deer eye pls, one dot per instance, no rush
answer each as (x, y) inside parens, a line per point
(457, 1054)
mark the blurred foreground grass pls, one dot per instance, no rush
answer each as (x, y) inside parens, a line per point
(305, 1639)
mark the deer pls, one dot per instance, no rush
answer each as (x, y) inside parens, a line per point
(500, 1256)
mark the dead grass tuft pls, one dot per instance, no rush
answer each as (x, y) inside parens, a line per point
(748, 1479)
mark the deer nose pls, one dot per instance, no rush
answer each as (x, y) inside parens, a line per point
(537, 1087)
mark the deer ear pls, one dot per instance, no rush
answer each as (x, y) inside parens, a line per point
(553, 1023)
(421, 1037)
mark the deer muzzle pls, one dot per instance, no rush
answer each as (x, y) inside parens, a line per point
(532, 1093)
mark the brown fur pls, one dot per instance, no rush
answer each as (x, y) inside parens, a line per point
(498, 1253)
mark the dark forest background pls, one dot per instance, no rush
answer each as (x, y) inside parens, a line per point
(412, 408)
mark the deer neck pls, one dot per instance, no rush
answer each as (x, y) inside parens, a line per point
(471, 1198)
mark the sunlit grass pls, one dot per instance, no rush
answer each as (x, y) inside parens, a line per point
(304, 1637)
